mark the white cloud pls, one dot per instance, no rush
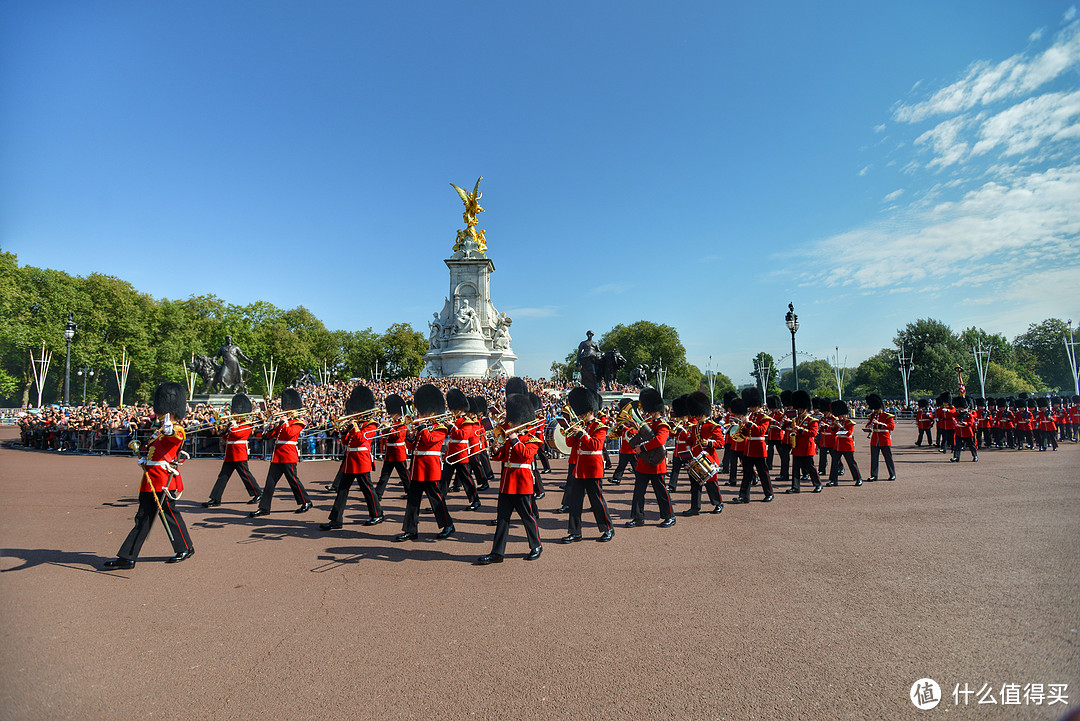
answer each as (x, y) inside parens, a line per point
(614, 288)
(1070, 14)
(1036, 36)
(945, 139)
(987, 238)
(894, 195)
(865, 170)
(986, 83)
(1027, 125)
(879, 128)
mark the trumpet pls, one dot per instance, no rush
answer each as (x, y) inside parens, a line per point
(500, 434)
(415, 423)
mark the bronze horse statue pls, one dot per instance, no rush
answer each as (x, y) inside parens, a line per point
(205, 367)
(608, 367)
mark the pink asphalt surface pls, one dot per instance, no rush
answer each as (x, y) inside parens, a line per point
(817, 606)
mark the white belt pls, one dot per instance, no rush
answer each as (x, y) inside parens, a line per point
(517, 465)
(356, 449)
(427, 453)
(458, 441)
(166, 464)
(840, 433)
(394, 445)
(757, 438)
(285, 443)
(590, 453)
(236, 443)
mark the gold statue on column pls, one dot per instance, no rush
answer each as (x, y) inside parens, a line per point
(472, 208)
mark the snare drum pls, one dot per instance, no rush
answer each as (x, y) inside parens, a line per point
(702, 468)
(555, 440)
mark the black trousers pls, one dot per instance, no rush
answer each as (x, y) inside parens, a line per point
(485, 465)
(524, 505)
(576, 500)
(384, 476)
(663, 498)
(803, 466)
(770, 446)
(961, 444)
(849, 457)
(144, 521)
(985, 436)
(784, 451)
(734, 460)
(947, 439)
(541, 455)
(885, 451)
(625, 459)
(823, 460)
(749, 465)
(460, 471)
(1024, 436)
(364, 481)
(711, 487)
(412, 505)
(277, 470)
(480, 477)
(677, 464)
(929, 437)
(565, 500)
(225, 474)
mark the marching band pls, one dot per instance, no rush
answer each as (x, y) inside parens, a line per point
(439, 439)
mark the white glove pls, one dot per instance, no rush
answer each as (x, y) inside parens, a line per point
(167, 425)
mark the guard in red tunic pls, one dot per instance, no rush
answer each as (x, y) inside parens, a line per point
(427, 437)
(396, 452)
(735, 444)
(357, 436)
(805, 429)
(756, 429)
(880, 425)
(680, 457)
(624, 431)
(590, 466)
(161, 483)
(826, 438)
(964, 433)
(479, 465)
(283, 463)
(924, 420)
(650, 443)
(844, 443)
(516, 486)
(986, 424)
(459, 442)
(776, 438)
(571, 462)
(1047, 425)
(236, 453)
(945, 416)
(706, 437)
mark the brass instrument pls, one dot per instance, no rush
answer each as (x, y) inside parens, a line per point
(500, 434)
(623, 418)
(734, 431)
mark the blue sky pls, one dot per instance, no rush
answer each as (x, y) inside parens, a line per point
(696, 164)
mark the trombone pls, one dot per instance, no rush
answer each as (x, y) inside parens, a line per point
(499, 434)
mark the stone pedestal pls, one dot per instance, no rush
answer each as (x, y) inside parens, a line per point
(469, 338)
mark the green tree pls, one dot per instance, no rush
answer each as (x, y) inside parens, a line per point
(1041, 351)
(880, 373)
(766, 361)
(564, 370)
(647, 343)
(404, 350)
(815, 377)
(360, 351)
(1004, 381)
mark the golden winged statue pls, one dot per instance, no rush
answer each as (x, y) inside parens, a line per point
(472, 208)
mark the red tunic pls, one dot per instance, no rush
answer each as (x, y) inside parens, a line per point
(845, 435)
(708, 438)
(881, 432)
(395, 444)
(776, 430)
(625, 434)
(828, 431)
(659, 440)
(457, 447)
(236, 442)
(924, 421)
(284, 436)
(357, 444)
(160, 457)
(805, 435)
(757, 430)
(427, 458)
(590, 451)
(965, 424)
(517, 457)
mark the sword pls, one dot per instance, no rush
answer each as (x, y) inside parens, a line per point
(134, 446)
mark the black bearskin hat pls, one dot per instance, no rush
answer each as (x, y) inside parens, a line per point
(751, 397)
(980, 403)
(737, 406)
(1031, 403)
(290, 400)
(478, 405)
(361, 399)
(650, 400)
(519, 409)
(429, 400)
(516, 386)
(395, 404)
(171, 398)
(961, 402)
(923, 403)
(240, 404)
(873, 401)
(537, 404)
(785, 398)
(698, 404)
(678, 406)
(582, 400)
(801, 400)
(456, 400)
(773, 402)
(1043, 403)
(945, 397)
(839, 408)
(624, 402)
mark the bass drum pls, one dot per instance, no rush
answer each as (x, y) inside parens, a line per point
(555, 440)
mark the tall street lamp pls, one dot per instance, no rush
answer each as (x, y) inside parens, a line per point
(85, 372)
(69, 333)
(792, 322)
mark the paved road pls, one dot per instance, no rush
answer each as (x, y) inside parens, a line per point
(817, 606)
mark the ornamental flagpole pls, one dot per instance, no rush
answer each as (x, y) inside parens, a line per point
(121, 371)
(40, 370)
